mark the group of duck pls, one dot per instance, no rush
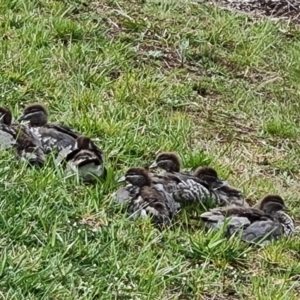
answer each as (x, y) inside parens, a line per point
(37, 138)
(159, 196)
(162, 195)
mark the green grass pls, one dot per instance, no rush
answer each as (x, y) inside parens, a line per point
(219, 88)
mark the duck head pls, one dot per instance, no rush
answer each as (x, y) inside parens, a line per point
(207, 174)
(167, 161)
(5, 116)
(206, 171)
(137, 177)
(271, 204)
(36, 114)
(84, 142)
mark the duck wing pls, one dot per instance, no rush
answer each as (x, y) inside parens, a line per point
(191, 189)
(171, 205)
(262, 231)
(235, 218)
(185, 189)
(52, 139)
(183, 177)
(190, 192)
(7, 134)
(227, 194)
(217, 221)
(231, 196)
(63, 129)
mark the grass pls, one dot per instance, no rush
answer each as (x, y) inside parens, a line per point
(140, 77)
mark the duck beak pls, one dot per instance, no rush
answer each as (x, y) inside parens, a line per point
(22, 118)
(154, 165)
(122, 179)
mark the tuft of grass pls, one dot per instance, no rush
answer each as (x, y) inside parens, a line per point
(215, 247)
(281, 129)
(140, 77)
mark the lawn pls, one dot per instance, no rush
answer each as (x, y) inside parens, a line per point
(139, 77)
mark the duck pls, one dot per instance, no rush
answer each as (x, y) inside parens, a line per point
(149, 201)
(185, 187)
(259, 225)
(227, 194)
(168, 161)
(285, 219)
(26, 144)
(87, 160)
(53, 137)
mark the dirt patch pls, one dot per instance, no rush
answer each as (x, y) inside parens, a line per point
(279, 9)
(166, 57)
(92, 222)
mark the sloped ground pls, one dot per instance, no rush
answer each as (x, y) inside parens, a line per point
(219, 87)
